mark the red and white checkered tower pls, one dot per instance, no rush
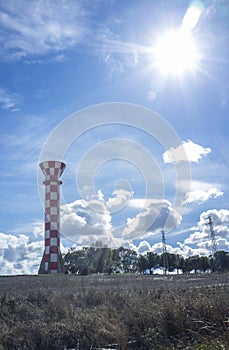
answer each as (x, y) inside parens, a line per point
(52, 261)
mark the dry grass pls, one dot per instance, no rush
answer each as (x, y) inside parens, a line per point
(119, 312)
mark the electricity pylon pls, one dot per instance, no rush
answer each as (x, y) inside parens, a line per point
(165, 256)
(215, 261)
(212, 235)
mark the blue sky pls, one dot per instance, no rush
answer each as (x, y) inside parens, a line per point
(64, 58)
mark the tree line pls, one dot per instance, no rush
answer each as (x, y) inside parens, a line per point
(92, 260)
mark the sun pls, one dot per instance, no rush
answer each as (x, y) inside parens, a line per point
(176, 52)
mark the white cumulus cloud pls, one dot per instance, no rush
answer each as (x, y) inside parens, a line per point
(19, 255)
(200, 242)
(120, 200)
(86, 222)
(200, 196)
(220, 220)
(156, 215)
(187, 151)
(143, 247)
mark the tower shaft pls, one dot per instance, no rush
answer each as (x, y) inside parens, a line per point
(52, 261)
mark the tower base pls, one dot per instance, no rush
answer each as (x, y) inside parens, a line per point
(46, 268)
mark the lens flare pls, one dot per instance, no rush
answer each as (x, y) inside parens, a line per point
(192, 15)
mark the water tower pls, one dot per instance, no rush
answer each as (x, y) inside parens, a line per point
(52, 261)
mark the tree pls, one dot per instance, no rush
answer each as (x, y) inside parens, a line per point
(127, 260)
(204, 264)
(192, 263)
(106, 260)
(142, 264)
(179, 262)
(153, 261)
(102, 260)
(221, 259)
(75, 261)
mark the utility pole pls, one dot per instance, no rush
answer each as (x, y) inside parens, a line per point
(165, 256)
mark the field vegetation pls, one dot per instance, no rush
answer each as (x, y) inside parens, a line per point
(116, 311)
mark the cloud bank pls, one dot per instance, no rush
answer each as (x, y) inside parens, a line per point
(20, 255)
